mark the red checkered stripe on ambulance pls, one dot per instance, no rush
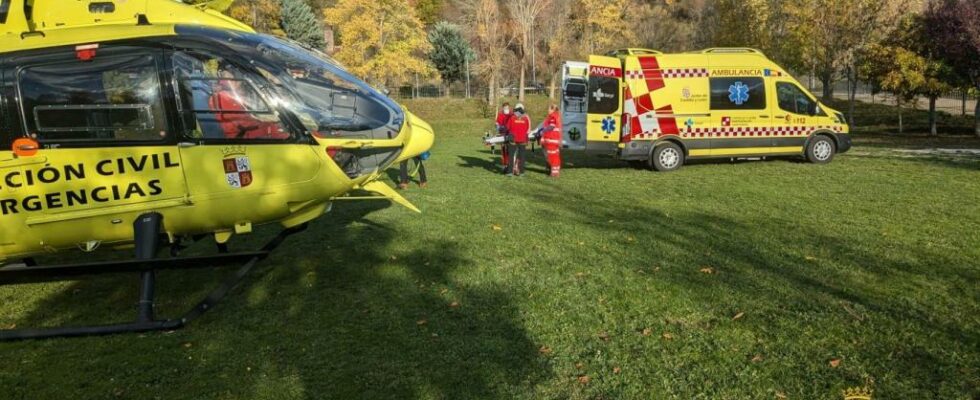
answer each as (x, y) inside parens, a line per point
(746, 131)
(686, 73)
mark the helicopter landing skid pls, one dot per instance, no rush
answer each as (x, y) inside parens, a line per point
(147, 267)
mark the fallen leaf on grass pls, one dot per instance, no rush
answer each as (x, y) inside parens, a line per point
(757, 358)
(393, 258)
(604, 336)
(630, 239)
(187, 345)
(810, 258)
(707, 270)
(496, 227)
(454, 304)
(647, 331)
(737, 316)
(544, 350)
(421, 322)
(780, 395)
(617, 370)
(584, 379)
(579, 365)
(444, 291)
(668, 336)
(835, 363)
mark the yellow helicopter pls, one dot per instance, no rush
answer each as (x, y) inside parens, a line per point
(139, 124)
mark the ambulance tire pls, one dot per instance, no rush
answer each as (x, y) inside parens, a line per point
(820, 150)
(666, 157)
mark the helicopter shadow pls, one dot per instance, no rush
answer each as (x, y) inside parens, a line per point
(354, 307)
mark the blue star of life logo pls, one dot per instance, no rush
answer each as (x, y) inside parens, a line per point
(738, 93)
(608, 125)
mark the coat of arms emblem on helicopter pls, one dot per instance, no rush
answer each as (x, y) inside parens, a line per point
(238, 169)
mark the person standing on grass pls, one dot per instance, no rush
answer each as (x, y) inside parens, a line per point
(551, 139)
(503, 116)
(403, 173)
(518, 125)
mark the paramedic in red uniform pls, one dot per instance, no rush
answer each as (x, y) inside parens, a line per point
(519, 125)
(228, 104)
(551, 139)
(502, 117)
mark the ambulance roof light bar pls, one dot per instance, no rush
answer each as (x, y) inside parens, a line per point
(731, 50)
(632, 51)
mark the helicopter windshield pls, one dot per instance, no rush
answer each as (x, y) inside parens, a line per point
(326, 98)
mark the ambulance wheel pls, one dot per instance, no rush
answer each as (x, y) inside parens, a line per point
(820, 150)
(666, 157)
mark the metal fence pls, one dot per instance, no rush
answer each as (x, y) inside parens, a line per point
(460, 92)
(955, 102)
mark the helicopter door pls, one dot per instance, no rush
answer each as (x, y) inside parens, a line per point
(234, 139)
(106, 149)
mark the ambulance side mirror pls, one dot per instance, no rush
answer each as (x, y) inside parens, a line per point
(814, 109)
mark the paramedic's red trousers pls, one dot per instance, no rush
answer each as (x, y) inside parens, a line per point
(504, 155)
(554, 160)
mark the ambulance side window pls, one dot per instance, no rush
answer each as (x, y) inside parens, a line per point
(793, 99)
(218, 101)
(738, 93)
(603, 95)
(111, 98)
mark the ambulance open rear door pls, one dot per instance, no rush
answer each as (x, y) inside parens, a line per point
(605, 104)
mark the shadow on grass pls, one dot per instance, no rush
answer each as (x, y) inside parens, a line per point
(333, 313)
(861, 291)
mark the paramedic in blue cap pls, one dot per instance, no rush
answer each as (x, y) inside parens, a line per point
(423, 181)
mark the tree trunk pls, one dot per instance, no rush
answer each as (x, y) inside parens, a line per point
(551, 91)
(492, 91)
(828, 88)
(851, 94)
(976, 117)
(520, 89)
(901, 129)
(932, 116)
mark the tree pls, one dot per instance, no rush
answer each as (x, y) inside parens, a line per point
(828, 33)
(525, 17)
(897, 70)
(953, 26)
(486, 29)
(428, 10)
(911, 34)
(596, 34)
(262, 15)
(301, 25)
(450, 52)
(382, 41)
(219, 5)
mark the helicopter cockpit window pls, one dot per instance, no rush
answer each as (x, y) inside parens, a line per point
(219, 101)
(109, 98)
(4, 10)
(329, 101)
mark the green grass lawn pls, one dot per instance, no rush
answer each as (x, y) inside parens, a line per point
(747, 280)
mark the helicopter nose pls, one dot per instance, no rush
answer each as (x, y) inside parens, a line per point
(418, 137)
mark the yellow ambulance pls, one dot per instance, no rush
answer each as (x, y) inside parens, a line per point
(663, 109)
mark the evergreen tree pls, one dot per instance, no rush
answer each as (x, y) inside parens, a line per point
(301, 24)
(450, 51)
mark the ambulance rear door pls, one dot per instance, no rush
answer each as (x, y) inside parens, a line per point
(605, 104)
